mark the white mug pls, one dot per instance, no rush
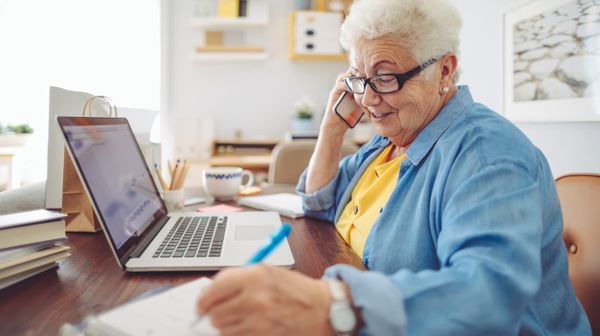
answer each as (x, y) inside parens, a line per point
(224, 182)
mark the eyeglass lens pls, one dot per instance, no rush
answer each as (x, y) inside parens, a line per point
(384, 83)
(380, 84)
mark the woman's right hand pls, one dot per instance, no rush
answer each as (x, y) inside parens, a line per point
(332, 124)
(325, 160)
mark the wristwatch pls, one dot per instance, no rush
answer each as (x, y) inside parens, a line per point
(341, 315)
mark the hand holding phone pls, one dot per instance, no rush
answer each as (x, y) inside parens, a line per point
(347, 109)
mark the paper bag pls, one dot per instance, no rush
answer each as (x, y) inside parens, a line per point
(75, 203)
(62, 103)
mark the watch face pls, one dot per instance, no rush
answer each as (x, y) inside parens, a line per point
(342, 317)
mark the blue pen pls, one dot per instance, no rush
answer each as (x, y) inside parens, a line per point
(269, 246)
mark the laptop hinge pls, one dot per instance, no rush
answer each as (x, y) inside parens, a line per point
(142, 245)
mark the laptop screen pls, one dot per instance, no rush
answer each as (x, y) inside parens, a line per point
(116, 176)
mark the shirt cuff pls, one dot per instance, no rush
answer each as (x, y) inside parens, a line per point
(322, 199)
(380, 301)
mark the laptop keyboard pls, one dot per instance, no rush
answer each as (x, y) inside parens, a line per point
(193, 237)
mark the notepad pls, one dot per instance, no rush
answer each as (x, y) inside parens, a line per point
(172, 312)
(286, 204)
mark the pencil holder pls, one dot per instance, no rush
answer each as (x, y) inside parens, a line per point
(173, 199)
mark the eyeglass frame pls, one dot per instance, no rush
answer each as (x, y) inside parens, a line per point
(401, 78)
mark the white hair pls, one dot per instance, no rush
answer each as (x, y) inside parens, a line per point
(428, 28)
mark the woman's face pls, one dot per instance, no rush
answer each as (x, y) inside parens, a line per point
(400, 115)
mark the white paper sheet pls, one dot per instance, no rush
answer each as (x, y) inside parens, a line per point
(172, 312)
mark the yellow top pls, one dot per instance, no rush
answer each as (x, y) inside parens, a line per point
(369, 196)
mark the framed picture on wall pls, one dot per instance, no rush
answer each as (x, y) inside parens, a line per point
(552, 61)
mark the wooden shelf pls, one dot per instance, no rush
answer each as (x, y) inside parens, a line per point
(215, 28)
(258, 162)
(318, 57)
(219, 23)
(228, 56)
(252, 154)
(229, 49)
(232, 147)
(248, 141)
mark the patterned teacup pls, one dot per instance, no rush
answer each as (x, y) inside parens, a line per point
(224, 182)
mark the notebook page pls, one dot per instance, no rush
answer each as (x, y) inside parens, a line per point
(285, 203)
(172, 312)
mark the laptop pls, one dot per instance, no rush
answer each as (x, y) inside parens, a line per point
(140, 232)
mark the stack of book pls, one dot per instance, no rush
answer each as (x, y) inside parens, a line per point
(30, 244)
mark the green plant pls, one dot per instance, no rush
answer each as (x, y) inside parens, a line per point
(304, 108)
(16, 129)
(304, 114)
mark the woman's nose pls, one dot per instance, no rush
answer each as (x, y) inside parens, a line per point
(370, 97)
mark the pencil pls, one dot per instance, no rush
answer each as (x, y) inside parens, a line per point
(183, 175)
(163, 184)
(175, 177)
(171, 169)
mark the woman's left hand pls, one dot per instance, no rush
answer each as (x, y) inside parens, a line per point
(266, 300)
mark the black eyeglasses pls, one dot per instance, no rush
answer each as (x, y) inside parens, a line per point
(384, 83)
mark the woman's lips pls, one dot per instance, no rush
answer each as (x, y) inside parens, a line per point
(379, 116)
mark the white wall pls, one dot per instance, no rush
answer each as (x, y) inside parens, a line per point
(90, 46)
(256, 96)
(569, 147)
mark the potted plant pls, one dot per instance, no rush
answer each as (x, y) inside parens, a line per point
(14, 135)
(303, 123)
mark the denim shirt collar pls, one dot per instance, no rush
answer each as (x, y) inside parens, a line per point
(434, 130)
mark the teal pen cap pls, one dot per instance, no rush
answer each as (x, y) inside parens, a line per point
(271, 244)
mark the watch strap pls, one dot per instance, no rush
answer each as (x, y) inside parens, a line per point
(337, 290)
(340, 298)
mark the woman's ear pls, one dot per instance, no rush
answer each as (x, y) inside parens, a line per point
(449, 63)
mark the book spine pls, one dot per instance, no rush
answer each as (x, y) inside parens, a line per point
(228, 8)
(30, 222)
(243, 8)
(40, 244)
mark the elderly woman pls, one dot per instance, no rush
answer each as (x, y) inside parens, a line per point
(451, 207)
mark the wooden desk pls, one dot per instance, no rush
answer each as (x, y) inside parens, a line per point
(90, 281)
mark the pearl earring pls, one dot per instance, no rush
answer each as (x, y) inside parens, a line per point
(444, 90)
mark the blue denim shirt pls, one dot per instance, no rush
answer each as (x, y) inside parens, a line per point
(470, 241)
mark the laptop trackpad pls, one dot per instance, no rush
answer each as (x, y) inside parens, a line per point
(253, 232)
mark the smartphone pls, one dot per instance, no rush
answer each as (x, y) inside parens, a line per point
(347, 109)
